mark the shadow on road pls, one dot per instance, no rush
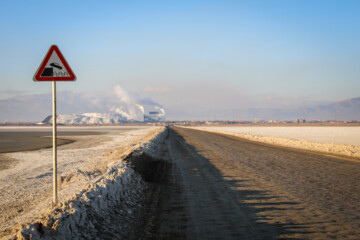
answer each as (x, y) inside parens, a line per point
(227, 207)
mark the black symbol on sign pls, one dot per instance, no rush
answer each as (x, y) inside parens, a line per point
(54, 64)
(48, 72)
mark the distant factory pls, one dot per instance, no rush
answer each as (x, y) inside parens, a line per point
(154, 114)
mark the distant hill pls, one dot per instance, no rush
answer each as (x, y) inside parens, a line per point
(101, 118)
(88, 118)
(34, 108)
(346, 110)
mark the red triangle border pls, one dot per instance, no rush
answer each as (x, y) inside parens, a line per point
(37, 76)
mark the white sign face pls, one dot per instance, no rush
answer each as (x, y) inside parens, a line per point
(54, 67)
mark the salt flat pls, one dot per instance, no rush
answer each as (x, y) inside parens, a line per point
(26, 184)
(336, 135)
(343, 141)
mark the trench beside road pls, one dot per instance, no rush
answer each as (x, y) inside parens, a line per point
(223, 187)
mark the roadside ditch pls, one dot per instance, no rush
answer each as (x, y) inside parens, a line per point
(115, 206)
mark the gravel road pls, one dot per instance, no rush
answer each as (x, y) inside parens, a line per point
(223, 187)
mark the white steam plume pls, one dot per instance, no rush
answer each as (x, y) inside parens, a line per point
(132, 106)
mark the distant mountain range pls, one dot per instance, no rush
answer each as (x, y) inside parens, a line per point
(35, 108)
(80, 108)
(346, 110)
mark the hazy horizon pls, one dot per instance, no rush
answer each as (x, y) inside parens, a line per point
(25, 107)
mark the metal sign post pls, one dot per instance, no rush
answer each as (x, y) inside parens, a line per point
(54, 68)
(54, 144)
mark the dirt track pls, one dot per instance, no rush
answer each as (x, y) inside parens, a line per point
(222, 187)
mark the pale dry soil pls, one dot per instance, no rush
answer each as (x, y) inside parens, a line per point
(349, 135)
(26, 176)
(215, 186)
(341, 141)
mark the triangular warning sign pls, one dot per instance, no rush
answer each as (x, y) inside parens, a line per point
(54, 67)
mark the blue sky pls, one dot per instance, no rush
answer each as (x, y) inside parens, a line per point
(189, 55)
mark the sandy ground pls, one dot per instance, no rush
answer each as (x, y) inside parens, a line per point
(342, 141)
(26, 183)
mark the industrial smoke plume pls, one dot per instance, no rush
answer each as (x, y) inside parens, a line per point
(133, 106)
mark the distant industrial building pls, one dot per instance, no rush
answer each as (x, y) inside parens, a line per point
(154, 114)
